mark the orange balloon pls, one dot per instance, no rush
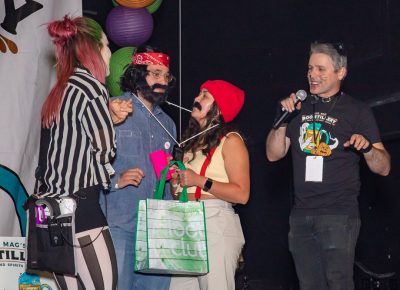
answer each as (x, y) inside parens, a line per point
(135, 3)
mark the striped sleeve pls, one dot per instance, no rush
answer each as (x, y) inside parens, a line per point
(98, 126)
(82, 143)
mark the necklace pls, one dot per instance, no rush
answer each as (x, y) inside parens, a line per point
(326, 100)
(329, 99)
(338, 94)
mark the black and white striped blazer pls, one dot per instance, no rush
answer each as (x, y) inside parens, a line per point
(81, 144)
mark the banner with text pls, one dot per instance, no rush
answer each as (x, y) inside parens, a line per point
(13, 265)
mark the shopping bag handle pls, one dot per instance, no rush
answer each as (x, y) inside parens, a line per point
(159, 192)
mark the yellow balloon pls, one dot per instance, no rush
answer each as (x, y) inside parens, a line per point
(135, 3)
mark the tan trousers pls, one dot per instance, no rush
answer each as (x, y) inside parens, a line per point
(225, 242)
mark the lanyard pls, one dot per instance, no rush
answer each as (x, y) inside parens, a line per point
(165, 129)
(336, 99)
(207, 161)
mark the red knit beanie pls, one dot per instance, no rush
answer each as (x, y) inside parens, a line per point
(229, 97)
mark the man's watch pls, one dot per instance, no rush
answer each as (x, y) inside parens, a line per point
(207, 185)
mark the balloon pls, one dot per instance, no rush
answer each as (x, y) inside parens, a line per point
(128, 26)
(135, 3)
(119, 61)
(154, 7)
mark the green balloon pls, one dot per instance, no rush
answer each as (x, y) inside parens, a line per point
(118, 63)
(153, 7)
(115, 4)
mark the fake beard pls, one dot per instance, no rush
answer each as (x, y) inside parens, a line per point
(154, 97)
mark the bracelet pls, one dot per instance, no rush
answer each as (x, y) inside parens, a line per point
(366, 150)
(207, 185)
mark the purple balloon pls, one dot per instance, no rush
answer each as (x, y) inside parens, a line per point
(129, 26)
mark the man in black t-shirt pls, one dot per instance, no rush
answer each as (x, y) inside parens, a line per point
(328, 136)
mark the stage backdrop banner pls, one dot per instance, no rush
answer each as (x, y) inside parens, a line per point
(13, 265)
(26, 75)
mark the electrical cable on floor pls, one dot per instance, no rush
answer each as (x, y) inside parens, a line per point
(372, 274)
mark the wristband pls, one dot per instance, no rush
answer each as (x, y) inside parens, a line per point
(207, 185)
(369, 148)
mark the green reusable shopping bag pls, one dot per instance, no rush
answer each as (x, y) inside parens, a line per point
(171, 235)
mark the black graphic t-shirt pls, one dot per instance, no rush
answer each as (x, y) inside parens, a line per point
(331, 126)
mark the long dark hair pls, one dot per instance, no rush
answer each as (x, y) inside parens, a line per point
(135, 75)
(210, 139)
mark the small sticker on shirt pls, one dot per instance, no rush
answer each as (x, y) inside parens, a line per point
(314, 168)
(167, 145)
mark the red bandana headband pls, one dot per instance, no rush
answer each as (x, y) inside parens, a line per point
(146, 58)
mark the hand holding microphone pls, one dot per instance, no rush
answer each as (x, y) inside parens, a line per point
(287, 106)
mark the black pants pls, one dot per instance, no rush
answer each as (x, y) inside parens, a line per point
(88, 213)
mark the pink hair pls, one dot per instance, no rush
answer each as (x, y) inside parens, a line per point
(77, 43)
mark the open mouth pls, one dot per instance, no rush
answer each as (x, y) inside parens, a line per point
(159, 90)
(314, 84)
(196, 105)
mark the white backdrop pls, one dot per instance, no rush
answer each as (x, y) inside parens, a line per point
(25, 79)
(26, 75)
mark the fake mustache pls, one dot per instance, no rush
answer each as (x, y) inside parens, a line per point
(159, 86)
(197, 105)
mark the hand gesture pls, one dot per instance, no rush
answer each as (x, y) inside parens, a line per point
(119, 109)
(132, 176)
(188, 177)
(359, 143)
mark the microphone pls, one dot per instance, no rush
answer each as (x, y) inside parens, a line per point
(301, 95)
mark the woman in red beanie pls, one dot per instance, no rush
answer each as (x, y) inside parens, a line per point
(217, 163)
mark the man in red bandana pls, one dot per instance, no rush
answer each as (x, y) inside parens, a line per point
(146, 82)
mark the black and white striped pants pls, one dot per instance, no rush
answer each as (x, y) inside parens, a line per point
(95, 253)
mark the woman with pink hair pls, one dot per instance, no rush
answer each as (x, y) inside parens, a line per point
(78, 144)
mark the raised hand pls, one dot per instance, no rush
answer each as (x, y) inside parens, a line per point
(119, 109)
